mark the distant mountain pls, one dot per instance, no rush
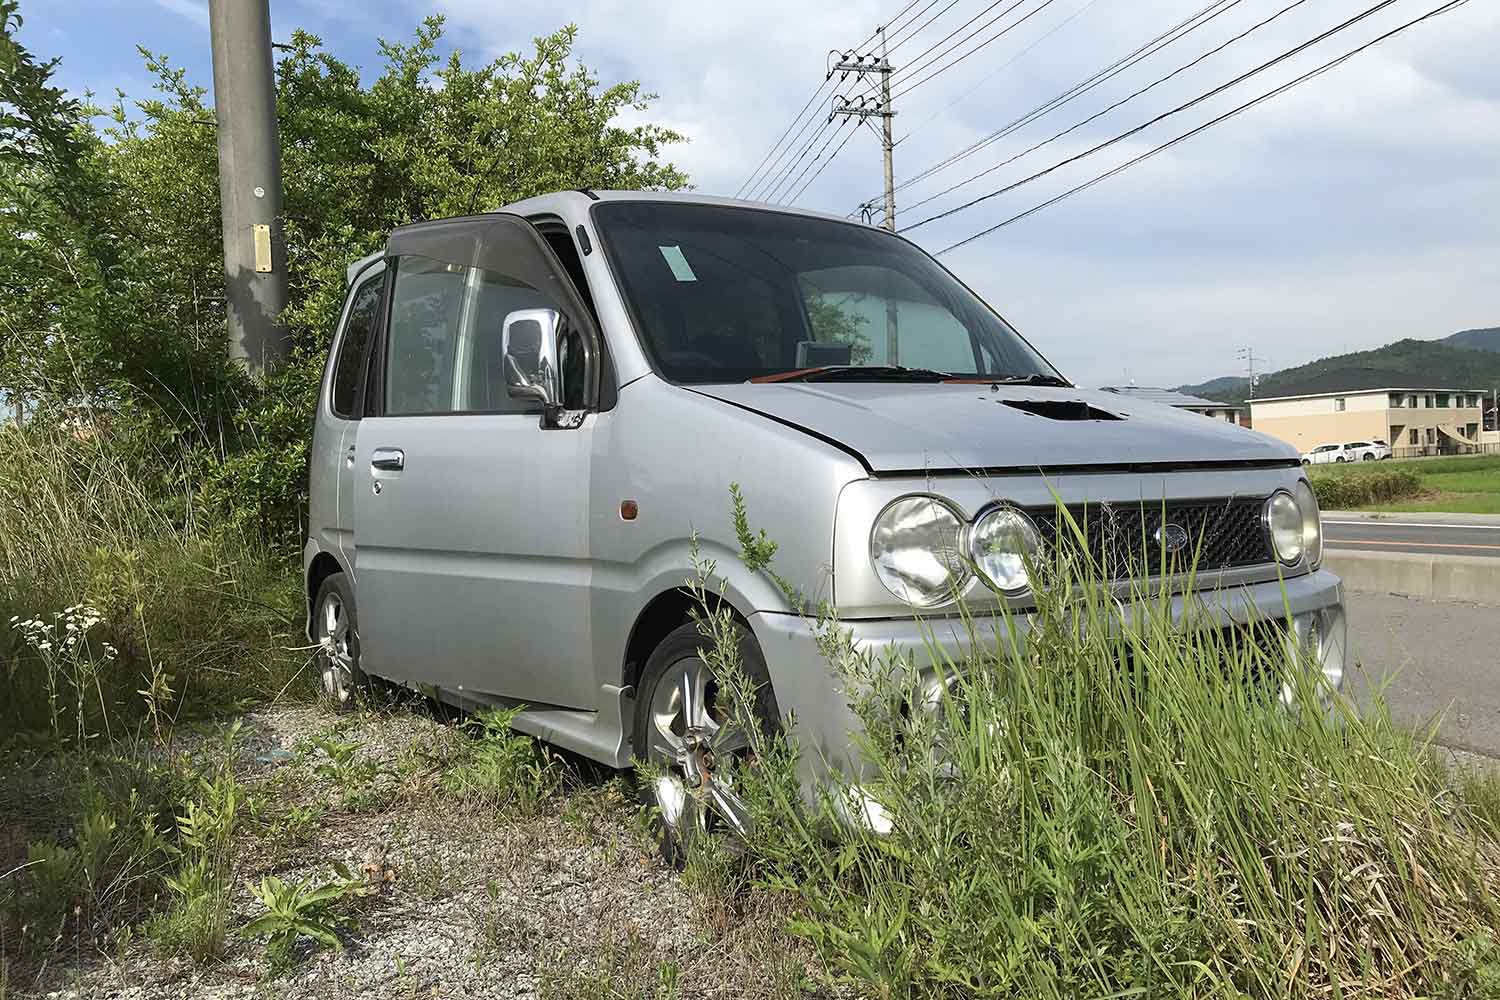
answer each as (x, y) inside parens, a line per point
(1469, 359)
(1225, 389)
(1484, 339)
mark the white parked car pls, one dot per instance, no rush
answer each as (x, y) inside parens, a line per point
(1368, 451)
(1354, 451)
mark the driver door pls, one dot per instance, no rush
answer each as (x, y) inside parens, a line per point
(471, 516)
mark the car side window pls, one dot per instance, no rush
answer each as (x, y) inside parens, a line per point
(426, 304)
(349, 365)
(445, 349)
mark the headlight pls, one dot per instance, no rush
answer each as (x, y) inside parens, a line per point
(1312, 523)
(1284, 524)
(915, 548)
(1000, 544)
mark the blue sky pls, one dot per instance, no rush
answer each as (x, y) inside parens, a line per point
(1347, 213)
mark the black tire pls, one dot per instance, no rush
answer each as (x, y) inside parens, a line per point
(1368, 456)
(1341, 458)
(339, 673)
(1307, 461)
(683, 644)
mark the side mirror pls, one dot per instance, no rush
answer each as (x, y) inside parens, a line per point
(530, 342)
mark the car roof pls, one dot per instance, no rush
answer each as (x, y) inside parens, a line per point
(584, 197)
(571, 202)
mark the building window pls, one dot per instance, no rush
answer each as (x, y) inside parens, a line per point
(1397, 400)
(1411, 402)
(1414, 438)
(1430, 404)
(1338, 404)
(1442, 401)
(1432, 435)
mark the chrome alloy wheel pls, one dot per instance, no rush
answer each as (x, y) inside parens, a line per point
(693, 750)
(335, 655)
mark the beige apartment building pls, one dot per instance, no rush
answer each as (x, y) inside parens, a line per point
(1411, 421)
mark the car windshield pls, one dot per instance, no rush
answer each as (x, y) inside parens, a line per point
(724, 294)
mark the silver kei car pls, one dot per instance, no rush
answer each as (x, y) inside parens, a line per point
(529, 416)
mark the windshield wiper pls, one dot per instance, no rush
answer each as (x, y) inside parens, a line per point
(1031, 380)
(859, 373)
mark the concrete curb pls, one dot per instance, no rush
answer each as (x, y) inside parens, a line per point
(1474, 520)
(1418, 574)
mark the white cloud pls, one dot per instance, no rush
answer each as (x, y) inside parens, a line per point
(194, 10)
(1354, 210)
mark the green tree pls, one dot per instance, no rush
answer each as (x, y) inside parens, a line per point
(111, 285)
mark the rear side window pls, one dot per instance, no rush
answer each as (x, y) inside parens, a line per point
(354, 347)
(445, 348)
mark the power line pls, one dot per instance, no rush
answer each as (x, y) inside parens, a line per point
(915, 63)
(816, 173)
(988, 41)
(1120, 103)
(778, 183)
(784, 167)
(1164, 115)
(894, 45)
(996, 71)
(1283, 88)
(777, 144)
(890, 25)
(1083, 86)
(791, 170)
(798, 117)
(797, 179)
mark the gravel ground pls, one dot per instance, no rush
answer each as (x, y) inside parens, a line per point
(465, 899)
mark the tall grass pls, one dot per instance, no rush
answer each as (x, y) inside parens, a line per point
(120, 613)
(196, 614)
(1130, 803)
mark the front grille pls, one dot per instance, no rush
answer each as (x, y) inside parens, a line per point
(1123, 539)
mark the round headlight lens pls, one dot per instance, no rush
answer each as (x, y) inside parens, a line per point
(915, 549)
(1000, 543)
(1312, 523)
(1284, 522)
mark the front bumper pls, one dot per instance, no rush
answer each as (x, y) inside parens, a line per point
(810, 696)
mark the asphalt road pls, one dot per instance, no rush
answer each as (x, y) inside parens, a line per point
(1438, 663)
(1413, 533)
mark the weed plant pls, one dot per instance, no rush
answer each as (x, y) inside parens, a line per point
(1118, 798)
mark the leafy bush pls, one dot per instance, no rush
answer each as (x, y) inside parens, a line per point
(1364, 487)
(98, 839)
(1120, 805)
(500, 768)
(301, 910)
(196, 922)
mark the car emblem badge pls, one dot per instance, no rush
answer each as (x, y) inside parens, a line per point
(1172, 537)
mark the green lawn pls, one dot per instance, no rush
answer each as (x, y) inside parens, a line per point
(1464, 484)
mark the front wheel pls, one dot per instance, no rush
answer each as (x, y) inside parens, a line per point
(684, 728)
(1341, 458)
(336, 629)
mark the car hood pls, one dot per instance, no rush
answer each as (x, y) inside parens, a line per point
(935, 427)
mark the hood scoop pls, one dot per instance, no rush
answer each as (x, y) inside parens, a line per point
(1060, 409)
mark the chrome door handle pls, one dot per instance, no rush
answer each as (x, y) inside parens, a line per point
(388, 459)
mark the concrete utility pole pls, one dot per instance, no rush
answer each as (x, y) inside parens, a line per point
(864, 108)
(249, 181)
(887, 145)
(882, 109)
(1247, 354)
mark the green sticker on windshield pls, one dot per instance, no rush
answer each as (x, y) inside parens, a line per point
(678, 263)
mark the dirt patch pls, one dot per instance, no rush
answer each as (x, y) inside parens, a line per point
(464, 899)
